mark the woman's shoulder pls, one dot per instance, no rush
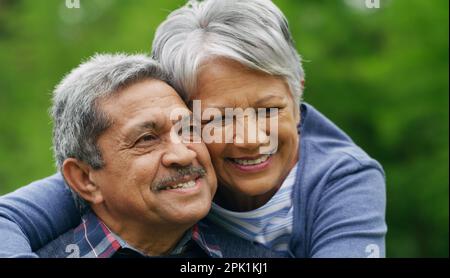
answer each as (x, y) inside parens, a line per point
(327, 152)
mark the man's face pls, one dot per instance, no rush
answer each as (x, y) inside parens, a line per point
(143, 165)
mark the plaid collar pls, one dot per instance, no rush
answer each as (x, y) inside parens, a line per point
(95, 240)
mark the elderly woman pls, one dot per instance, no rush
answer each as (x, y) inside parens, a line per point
(316, 195)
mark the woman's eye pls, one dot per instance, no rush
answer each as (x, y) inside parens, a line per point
(221, 120)
(274, 109)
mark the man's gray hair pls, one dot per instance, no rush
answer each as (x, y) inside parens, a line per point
(77, 119)
(254, 33)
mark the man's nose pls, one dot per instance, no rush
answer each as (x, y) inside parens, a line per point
(178, 154)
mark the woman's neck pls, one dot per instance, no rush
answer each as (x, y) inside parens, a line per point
(238, 202)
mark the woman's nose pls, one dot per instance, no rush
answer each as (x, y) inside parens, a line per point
(249, 135)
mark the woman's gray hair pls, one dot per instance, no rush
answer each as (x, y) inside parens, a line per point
(77, 118)
(254, 33)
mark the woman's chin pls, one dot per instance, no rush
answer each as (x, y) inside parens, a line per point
(245, 196)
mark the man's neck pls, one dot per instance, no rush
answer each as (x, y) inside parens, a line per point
(155, 239)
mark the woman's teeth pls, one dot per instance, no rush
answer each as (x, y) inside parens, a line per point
(184, 185)
(245, 162)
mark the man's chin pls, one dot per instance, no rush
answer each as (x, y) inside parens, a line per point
(191, 215)
(186, 222)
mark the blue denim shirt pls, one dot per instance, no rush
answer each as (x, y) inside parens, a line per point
(339, 201)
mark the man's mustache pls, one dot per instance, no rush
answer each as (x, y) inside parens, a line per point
(181, 175)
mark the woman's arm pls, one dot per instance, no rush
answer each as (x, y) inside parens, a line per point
(350, 220)
(34, 215)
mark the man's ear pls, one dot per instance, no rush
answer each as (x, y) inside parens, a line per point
(78, 176)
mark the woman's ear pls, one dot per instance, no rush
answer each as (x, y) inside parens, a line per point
(297, 109)
(77, 175)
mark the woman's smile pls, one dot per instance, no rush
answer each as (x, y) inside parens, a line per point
(251, 164)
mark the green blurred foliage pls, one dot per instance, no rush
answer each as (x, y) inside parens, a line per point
(380, 74)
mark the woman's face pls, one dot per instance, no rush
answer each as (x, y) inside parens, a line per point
(247, 178)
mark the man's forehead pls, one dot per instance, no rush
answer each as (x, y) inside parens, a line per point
(152, 117)
(143, 106)
(146, 94)
(158, 94)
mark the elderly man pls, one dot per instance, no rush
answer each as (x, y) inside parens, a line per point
(140, 191)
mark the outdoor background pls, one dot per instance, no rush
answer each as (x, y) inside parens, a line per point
(380, 74)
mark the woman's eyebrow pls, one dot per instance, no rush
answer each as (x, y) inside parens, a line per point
(268, 98)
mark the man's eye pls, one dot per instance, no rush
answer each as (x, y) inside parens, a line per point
(145, 139)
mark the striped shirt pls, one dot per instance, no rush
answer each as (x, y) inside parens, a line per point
(270, 225)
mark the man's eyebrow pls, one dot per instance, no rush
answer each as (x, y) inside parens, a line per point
(147, 125)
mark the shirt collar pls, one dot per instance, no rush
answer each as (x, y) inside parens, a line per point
(95, 239)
